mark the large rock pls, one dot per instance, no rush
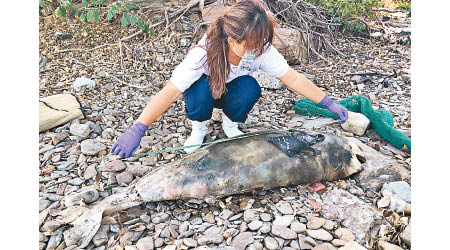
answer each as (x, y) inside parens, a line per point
(356, 123)
(350, 211)
(58, 109)
(91, 147)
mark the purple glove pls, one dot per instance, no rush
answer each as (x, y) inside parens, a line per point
(333, 107)
(129, 140)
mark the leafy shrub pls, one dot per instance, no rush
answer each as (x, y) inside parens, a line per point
(89, 12)
(406, 5)
(345, 11)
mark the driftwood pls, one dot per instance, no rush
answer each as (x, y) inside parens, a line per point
(289, 42)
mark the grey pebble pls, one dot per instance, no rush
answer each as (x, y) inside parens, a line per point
(76, 181)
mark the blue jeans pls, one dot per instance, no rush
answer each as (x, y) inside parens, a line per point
(240, 97)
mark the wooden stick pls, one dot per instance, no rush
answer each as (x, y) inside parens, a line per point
(86, 50)
(125, 83)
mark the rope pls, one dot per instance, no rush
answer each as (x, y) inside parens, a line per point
(196, 145)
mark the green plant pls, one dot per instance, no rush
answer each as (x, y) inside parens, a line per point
(89, 12)
(346, 11)
(404, 5)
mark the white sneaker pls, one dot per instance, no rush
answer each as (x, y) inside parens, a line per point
(229, 127)
(199, 131)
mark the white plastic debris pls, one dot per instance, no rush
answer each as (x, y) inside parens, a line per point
(376, 34)
(82, 82)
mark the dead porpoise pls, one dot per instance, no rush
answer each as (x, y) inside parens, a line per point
(266, 161)
(260, 160)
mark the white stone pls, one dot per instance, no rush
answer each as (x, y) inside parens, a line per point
(298, 227)
(91, 147)
(82, 82)
(255, 225)
(270, 243)
(283, 220)
(251, 215)
(284, 207)
(401, 188)
(81, 130)
(356, 123)
(320, 234)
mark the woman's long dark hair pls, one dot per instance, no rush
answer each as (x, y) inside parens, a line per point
(247, 20)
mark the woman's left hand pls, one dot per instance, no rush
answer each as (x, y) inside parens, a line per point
(335, 108)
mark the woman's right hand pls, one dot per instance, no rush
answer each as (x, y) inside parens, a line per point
(130, 140)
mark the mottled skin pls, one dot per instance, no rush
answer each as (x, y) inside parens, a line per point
(249, 163)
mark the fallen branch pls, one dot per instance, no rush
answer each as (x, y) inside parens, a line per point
(371, 74)
(125, 83)
(85, 50)
(184, 10)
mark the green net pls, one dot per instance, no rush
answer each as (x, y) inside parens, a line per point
(381, 120)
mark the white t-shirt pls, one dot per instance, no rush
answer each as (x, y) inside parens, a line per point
(190, 69)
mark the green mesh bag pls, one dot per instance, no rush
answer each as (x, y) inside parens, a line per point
(381, 120)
